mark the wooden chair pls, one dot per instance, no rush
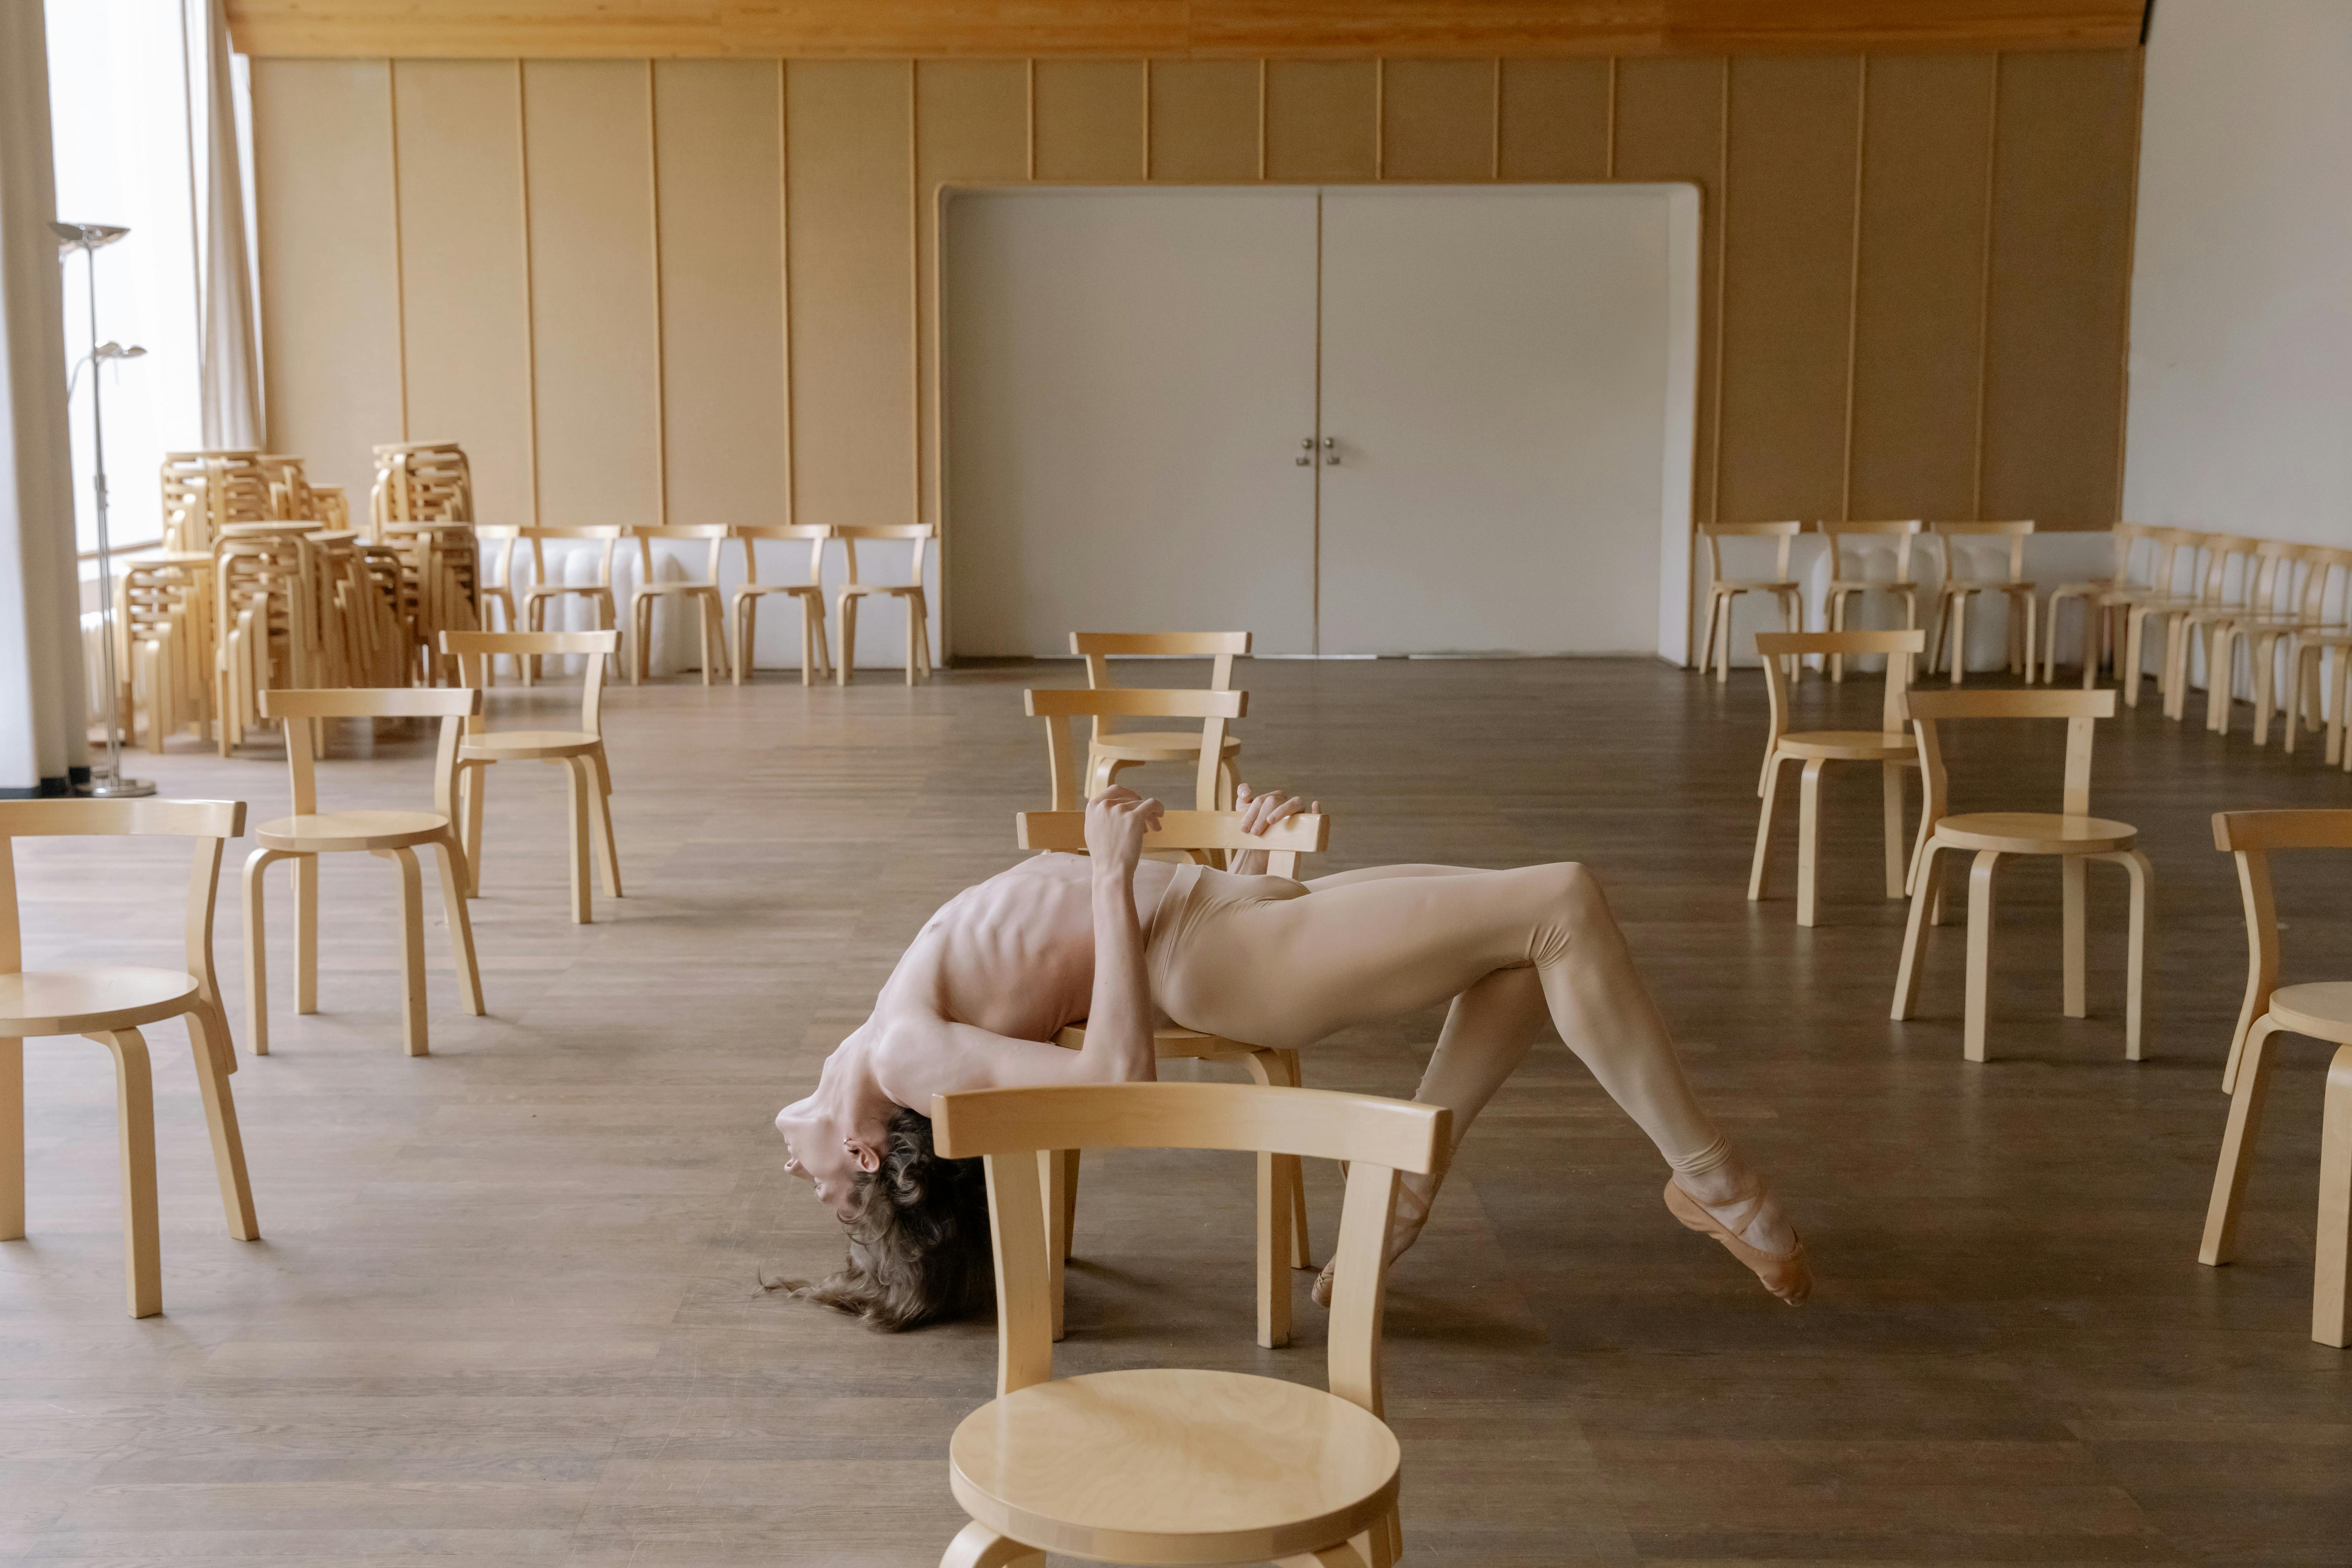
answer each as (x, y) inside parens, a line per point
(701, 592)
(109, 1004)
(2070, 832)
(2290, 581)
(580, 752)
(918, 618)
(1163, 1466)
(816, 655)
(2328, 580)
(533, 600)
(1842, 588)
(1724, 592)
(2320, 1010)
(1953, 594)
(394, 835)
(2142, 560)
(1110, 753)
(2185, 553)
(2226, 598)
(1212, 782)
(1890, 745)
(1282, 1239)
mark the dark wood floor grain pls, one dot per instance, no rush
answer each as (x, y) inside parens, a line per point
(507, 1307)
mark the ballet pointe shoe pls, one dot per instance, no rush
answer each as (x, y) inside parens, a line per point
(1787, 1275)
(1407, 1203)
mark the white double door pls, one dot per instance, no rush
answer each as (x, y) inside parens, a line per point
(1352, 421)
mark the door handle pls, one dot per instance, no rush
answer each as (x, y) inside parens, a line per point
(1331, 452)
(1307, 446)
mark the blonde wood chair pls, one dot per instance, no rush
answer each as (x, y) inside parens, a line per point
(2319, 1010)
(109, 1004)
(2227, 598)
(1166, 1466)
(394, 835)
(1952, 596)
(1842, 588)
(2186, 554)
(2327, 582)
(1890, 745)
(534, 599)
(2070, 832)
(1724, 592)
(918, 618)
(1109, 752)
(2143, 559)
(816, 655)
(580, 753)
(1212, 782)
(702, 593)
(1282, 1238)
(2290, 579)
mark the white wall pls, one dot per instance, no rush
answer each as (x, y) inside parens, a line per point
(2241, 412)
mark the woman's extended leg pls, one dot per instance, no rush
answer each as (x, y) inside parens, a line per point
(1367, 947)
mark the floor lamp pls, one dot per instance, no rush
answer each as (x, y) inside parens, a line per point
(88, 238)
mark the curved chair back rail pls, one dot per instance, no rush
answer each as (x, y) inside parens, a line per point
(2015, 533)
(1189, 831)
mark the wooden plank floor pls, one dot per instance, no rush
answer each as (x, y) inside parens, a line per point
(508, 1306)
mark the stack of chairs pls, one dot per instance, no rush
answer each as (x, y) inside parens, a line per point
(422, 506)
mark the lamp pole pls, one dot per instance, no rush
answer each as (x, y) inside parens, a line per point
(88, 238)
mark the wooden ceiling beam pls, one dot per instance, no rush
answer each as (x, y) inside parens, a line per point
(1165, 28)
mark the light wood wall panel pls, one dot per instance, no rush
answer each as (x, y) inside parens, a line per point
(1787, 295)
(1206, 123)
(467, 289)
(330, 268)
(1669, 126)
(718, 169)
(1322, 119)
(971, 123)
(1553, 120)
(1437, 120)
(851, 192)
(1919, 298)
(1089, 119)
(2056, 318)
(595, 325)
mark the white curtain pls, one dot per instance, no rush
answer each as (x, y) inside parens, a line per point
(229, 366)
(43, 733)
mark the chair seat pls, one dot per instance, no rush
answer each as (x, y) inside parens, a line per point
(676, 587)
(1849, 745)
(805, 590)
(2322, 1010)
(2035, 833)
(1156, 745)
(1863, 584)
(1741, 585)
(83, 1001)
(2097, 585)
(1954, 589)
(333, 832)
(549, 590)
(1167, 1464)
(522, 745)
(849, 590)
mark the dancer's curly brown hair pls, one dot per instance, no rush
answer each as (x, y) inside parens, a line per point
(919, 1247)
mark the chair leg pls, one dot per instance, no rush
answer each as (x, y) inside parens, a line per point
(2264, 652)
(745, 625)
(2331, 1303)
(814, 608)
(2221, 673)
(208, 1043)
(2127, 666)
(11, 1140)
(1707, 643)
(1926, 876)
(809, 621)
(461, 924)
(848, 640)
(1890, 783)
(134, 1107)
(1759, 868)
(576, 792)
(1958, 644)
(1809, 839)
(1276, 1178)
(1053, 1178)
(1980, 975)
(2073, 875)
(475, 777)
(607, 850)
(257, 953)
(2143, 920)
(2298, 692)
(977, 1546)
(305, 872)
(1835, 614)
(2033, 610)
(2245, 1129)
(1723, 639)
(641, 627)
(412, 947)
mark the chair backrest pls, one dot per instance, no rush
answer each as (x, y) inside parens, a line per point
(1213, 708)
(813, 534)
(2222, 551)
(2251, 835)
(2328, 576)
(2079, 709)
(2184, 566)
(1898, 647)
(1009, 1128)
(211, 822)
(2126, 540)
(1196, 835)
(2015, 533)
(1715, 533)
(2275, 569)
(917, 533)
(1098, 649)
(474, 650)
(714, 535)
(1903, 533)
(608, 535)
(452, 706)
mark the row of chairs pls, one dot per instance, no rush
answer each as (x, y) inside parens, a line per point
(722, 619)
